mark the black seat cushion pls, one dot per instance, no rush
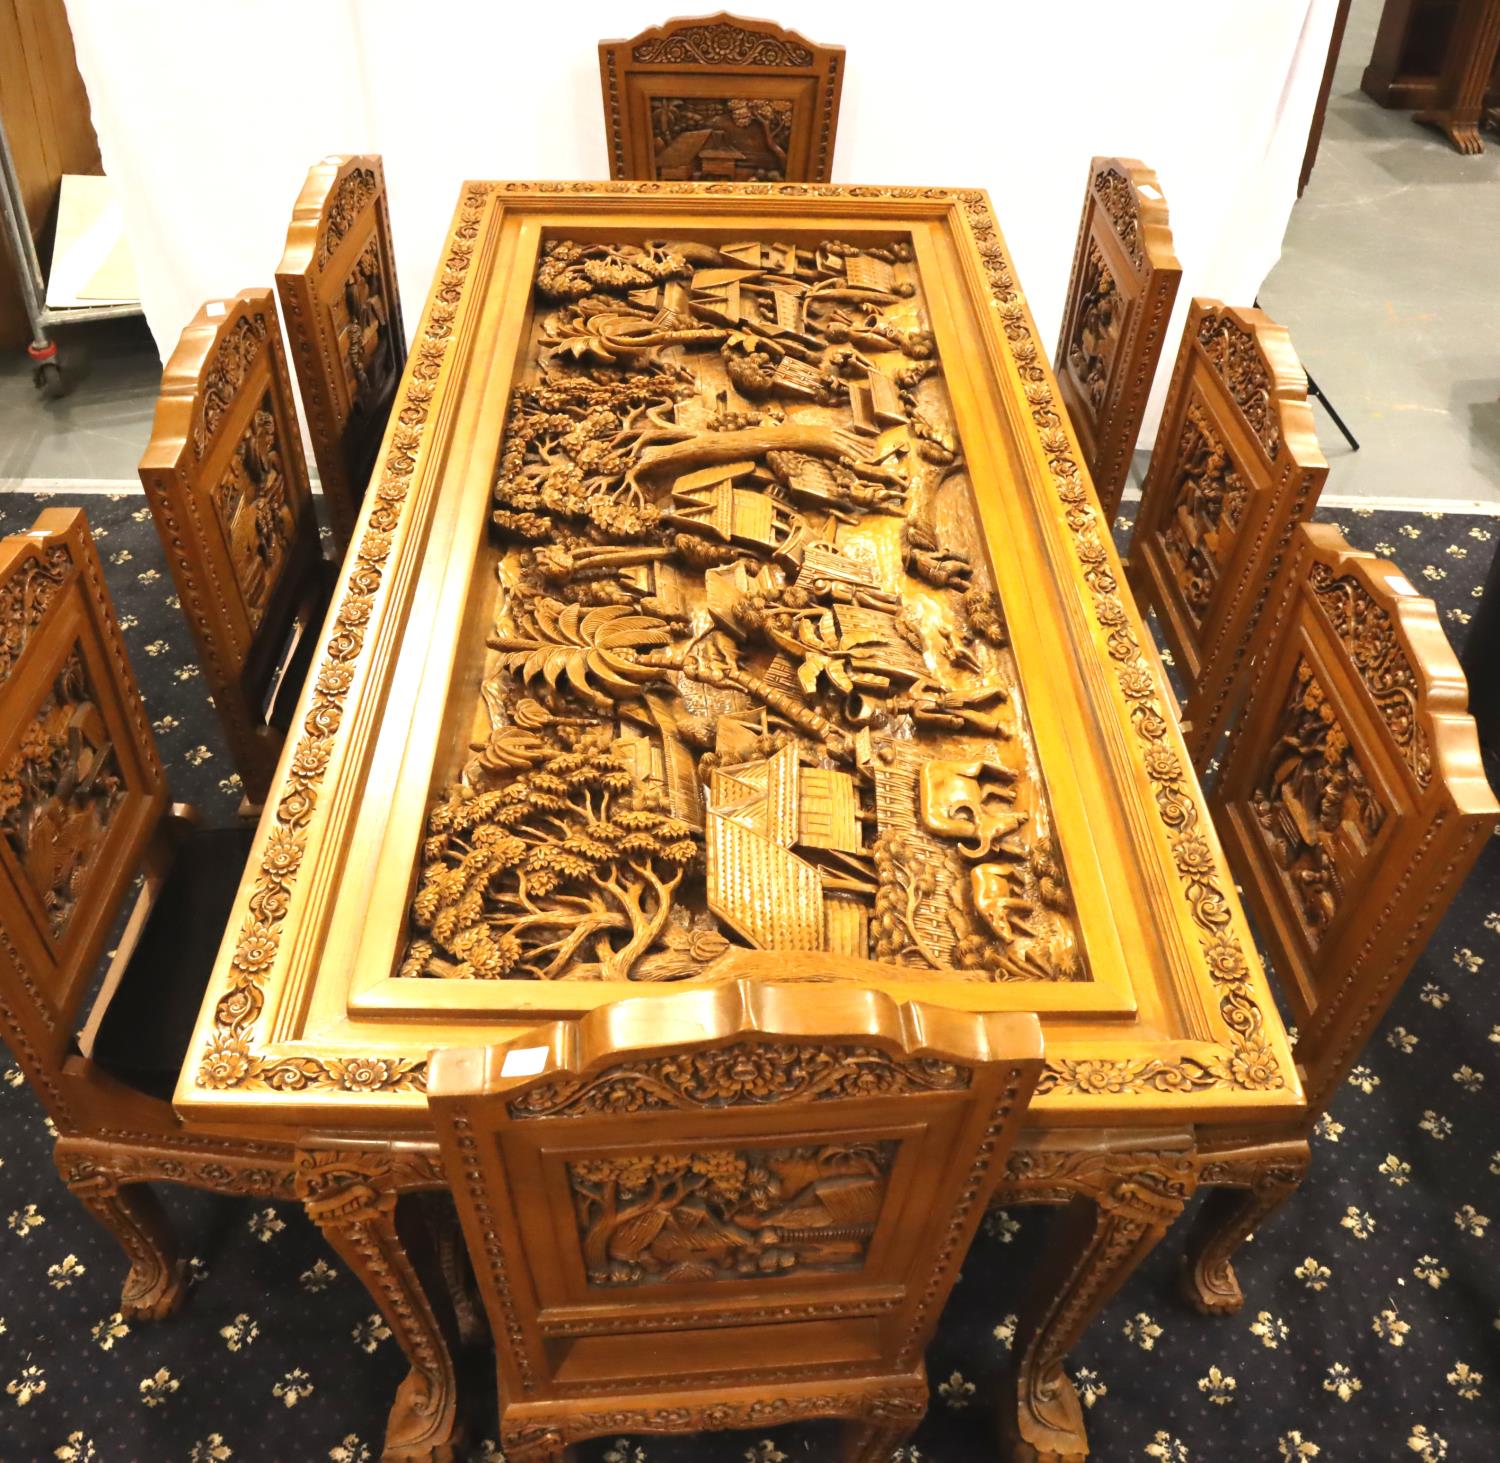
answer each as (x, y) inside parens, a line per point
(146, 1028)
(290, 686)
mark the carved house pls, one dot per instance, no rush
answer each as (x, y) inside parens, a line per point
(775, 834)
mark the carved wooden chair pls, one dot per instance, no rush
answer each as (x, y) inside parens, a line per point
(729, 1207)
(337, 282)
(721, 98)
(1120, 296)
(227, 483)
(1236, 467)
(1352, 803)
(83, 809)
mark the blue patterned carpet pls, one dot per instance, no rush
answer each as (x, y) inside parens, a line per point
(1372, 1329)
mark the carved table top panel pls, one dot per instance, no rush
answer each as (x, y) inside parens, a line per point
(730, 602)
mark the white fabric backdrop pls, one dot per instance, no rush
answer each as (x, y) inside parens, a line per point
(209, 113)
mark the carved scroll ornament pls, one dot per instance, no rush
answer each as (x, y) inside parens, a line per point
(1383, 665)
(24, 598)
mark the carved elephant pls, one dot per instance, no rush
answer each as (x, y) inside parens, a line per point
(969, 802)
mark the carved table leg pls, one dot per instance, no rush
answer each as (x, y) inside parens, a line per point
(1119, 1207)
(1249, 1188)
(447, 1237)
(874, 1441)
(156, 1284)
(351, 1197)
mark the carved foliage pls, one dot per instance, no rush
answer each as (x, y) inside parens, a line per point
(362, 321)
(1097, 328)
(1237, 357)
(1314, 804)
(703, 138)
(254, 511)
(348, 200)
(727, 1213)
(235, 354)
(1207, 508)
(721, 44)
(1251, 1063)
(24, 598)
(1366, 629)
(229, 1061)
(737, 1076)
(60, 792)
(1117, 196)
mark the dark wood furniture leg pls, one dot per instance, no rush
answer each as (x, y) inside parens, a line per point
(1325, 88)
(156, 1284)
(1466, 75)
(1119, 1205)
(1249, 1186)
(350, 1193)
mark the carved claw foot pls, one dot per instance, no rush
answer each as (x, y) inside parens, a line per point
(1210, 1286)
(1463, 135)
(1047, 1425)
(153, 1291)
(419, 1430)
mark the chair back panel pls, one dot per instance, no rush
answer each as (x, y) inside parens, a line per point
(1120, 297)
(1235, 468)
(81, 786)
(337, 282)
(714, 1183)
(227, 483)
(721, 98)
(1352, 801)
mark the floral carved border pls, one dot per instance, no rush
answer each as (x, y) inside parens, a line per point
(229, 1061)
(1250, 1063)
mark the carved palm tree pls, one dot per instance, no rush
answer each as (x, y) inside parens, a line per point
(590, 648)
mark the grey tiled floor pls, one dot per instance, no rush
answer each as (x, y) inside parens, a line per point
(1389, 282)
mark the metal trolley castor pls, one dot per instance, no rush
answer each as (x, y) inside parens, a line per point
(47, 370)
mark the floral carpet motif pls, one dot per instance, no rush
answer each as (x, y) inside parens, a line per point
(1371, 1329)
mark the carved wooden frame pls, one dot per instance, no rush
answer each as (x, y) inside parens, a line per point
(1394, 687)
(252, 1057)
(228, 358)
(1237, 374)
(1125, 234)
(113, 1139)
(55, 604)
(721, 55)
(340, 213)
(747, 1064)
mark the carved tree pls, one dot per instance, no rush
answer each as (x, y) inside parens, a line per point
(573, 855)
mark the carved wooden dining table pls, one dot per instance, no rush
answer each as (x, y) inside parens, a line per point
(729, 600)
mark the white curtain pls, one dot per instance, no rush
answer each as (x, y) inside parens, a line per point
(209, 113)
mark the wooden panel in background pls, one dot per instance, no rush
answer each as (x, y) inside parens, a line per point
(46, 115)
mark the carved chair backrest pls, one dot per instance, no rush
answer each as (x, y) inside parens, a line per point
(1235, 468)
(81, 787)
(1352, 800)
(227, 483)
(721, 98)
(1120, 296)
(727, 1179)
(337, 282)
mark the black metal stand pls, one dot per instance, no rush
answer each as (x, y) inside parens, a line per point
(1313, 389)
(1481, 661)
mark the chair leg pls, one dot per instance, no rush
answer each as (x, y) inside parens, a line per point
(1248, 1189)
(448, 1241)
(1124, 1204)
(874, 1441)
(156, 1284)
